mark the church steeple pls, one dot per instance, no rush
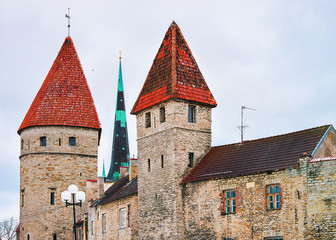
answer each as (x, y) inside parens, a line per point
(120, 149)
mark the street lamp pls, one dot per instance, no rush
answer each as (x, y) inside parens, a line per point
(79, 196)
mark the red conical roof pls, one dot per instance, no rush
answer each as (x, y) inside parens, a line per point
(174, 75)
(64, 98)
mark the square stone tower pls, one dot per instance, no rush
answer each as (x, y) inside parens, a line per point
(59, 145)
(173, 113)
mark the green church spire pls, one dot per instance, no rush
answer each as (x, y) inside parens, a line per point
(103, 173)
(120, 148)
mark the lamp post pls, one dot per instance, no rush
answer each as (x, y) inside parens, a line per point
(79, 196)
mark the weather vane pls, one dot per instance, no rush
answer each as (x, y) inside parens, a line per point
(68, 17)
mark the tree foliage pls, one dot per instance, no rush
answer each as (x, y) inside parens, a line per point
(8, 229)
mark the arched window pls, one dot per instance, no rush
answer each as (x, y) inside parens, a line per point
(28, 237)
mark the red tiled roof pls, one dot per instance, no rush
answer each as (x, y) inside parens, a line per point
(173, 75)
(261, 155)
(64, 97)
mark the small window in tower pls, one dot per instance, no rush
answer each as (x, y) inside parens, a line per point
(192, 114)
(148, 119)
(149, 165)
(54, 236)
(52, 197)
(28, 144)
(28, 237)
(43, 141)
(72, 141)
(22, 199)
(191, 159)
(162, 162)
(59, 141)
(162, 114)
(21, 143)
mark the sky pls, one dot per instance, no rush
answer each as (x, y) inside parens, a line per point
(277, 57)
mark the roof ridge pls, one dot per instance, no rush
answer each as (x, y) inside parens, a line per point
(274, 136)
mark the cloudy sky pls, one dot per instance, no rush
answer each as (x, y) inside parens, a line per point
(277, 56)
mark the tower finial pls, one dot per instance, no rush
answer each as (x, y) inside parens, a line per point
(68, 17)
(119, 54)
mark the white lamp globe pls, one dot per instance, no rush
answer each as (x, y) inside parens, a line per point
(66, 196)
(80, 196)
(73, 189)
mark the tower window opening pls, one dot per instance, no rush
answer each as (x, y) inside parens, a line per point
(43, 141)
(22, 199)
(59, 141)
(149, 165)
(72, 141)
(148, 119)
(21, 143)
(162, 114)
(28, 144)
(54, 236)
(52, 198)
(192, 114)
(191, 159)
(162, 162)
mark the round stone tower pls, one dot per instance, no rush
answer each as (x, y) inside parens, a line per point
(59, 145)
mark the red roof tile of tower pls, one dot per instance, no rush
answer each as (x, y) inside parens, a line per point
(257, 156)
(64, 98)
(173, 75)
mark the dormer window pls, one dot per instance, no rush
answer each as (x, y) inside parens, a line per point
(43, 141)
(72, 141)
(192, 114)
(148, 119)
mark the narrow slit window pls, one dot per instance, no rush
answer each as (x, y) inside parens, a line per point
(72, 141)
(192, 114)
(148, 119)
(149, 165)
(52, 198)
(191, 159)
(129, 215)
(43, 141)
(162, 161)
(22, 199)
(104, 222)
(162, 114)
(59, 141)
(21, 143)
(54, 236)
(122, 213)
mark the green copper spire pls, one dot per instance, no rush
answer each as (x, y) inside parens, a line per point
(103, 173)
(120, 149)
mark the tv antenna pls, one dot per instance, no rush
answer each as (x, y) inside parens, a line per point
(242, 126)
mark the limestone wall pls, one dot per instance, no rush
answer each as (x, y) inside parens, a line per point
(52, 168)
(160, 196)
(252, 220)
(112, 212)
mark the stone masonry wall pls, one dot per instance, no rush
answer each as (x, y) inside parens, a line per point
(52, 168)
(321, 208)
(160, 196)
(252, 220)
(113, 229)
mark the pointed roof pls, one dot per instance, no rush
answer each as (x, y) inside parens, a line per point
(257, 156)
(64, 98)
(173, 75)
(103, 173)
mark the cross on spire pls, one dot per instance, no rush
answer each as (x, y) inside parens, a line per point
(68, 17)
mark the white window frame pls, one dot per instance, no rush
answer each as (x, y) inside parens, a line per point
(122, 218)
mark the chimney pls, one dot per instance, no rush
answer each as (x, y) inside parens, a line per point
(133, 168)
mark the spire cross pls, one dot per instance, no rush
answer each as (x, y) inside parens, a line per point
(119, 54)
(68, 17)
